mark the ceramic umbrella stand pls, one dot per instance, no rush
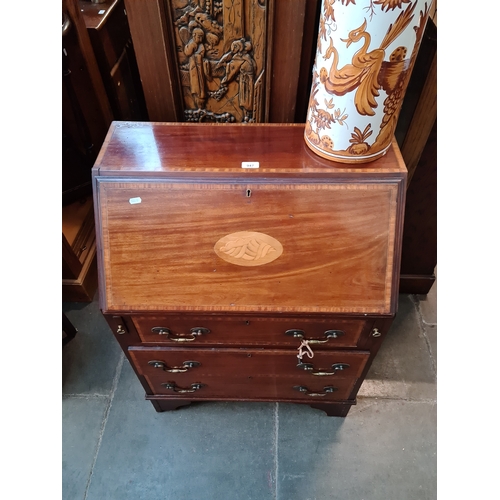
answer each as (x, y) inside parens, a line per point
(365, 54)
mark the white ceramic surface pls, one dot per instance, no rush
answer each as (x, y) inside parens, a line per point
(365, 53)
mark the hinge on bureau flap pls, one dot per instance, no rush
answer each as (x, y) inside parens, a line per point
(121, 328)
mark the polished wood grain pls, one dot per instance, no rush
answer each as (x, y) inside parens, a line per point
(174, 200)
(338, 227)
(185, 149)
(253, 363)
(96, 14)
(247, 373)
(249, 330)
(337, 240)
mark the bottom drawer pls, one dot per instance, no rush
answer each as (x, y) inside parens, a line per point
(248, 373)
(257, 388)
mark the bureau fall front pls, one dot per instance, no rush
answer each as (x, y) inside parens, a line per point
(236, 265)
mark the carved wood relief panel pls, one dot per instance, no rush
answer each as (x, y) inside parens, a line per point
(277, 54)
(220, 49)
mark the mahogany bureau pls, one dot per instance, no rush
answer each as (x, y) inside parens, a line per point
(236, 265)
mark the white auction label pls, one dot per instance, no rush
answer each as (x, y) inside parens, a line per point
(134, 201)
(249, 164)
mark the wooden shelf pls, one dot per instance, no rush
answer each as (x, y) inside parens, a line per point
(79, 267)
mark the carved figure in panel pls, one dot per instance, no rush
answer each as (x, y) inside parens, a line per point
(221, 58)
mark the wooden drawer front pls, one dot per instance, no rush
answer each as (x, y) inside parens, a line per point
(248, 373)
(227, 331)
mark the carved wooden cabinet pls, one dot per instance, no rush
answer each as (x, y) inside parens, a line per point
(225, 60)
(236, 265)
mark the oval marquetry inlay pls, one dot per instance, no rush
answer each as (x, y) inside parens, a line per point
(248, 248)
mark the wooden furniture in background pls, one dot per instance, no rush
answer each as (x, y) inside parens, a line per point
(69, 331)
(79, 268)
(109, 33)
(419, 111)
(86, 112)
(270, 68)
(419, 258)
(291, 38)
(100, 83)
(86, 116)
(224, 249)
(417, 135)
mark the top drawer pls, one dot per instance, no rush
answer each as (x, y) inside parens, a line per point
(255, 331)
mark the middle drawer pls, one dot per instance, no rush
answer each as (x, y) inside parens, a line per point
(158, 362)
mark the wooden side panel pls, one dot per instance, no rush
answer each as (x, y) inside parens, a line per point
(86, 112)
(109, 33)
(422, 122)
(308, 53)
(419, 247)
(158, 243)
(149, 28)
(71, 265)
(288, 26)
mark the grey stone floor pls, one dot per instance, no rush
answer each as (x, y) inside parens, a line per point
(116, 446)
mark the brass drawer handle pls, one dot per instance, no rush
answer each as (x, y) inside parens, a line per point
(194, 387)
(176, 369)
(328, 390)
(329, 334)
(195, 332)
(336, 367)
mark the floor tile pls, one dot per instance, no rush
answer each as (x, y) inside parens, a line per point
(81, 426)
(403, 367)
(128, 387)
(383, 450)
(206, 450)
(428, 305)
(89, 360)
(431, 334)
